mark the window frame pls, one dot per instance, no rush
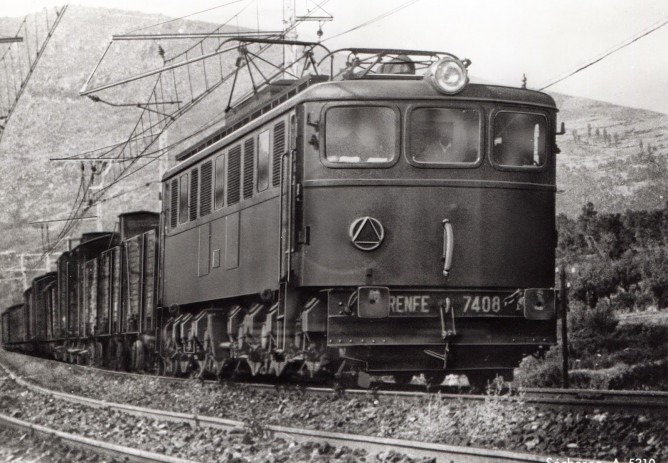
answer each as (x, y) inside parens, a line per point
(221, 154)
(248, 191)
(445, 165)
(359, 165)
(490, 145)
(184, 211)
(202, 187)
(269, 131)
(239, 144)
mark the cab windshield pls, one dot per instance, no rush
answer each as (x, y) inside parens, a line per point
(445, 136)
(361, 134)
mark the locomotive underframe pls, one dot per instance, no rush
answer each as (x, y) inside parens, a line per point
(330, 338)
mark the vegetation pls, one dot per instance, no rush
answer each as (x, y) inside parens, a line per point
(617, 264)
(619, 257)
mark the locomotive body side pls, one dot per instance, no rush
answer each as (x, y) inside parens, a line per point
(372, 224)
(221, 238)
(294, 260)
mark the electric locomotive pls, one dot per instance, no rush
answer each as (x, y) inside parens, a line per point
(367, 221)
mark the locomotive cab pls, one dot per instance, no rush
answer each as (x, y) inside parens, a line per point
(430, 218)
(373, 221)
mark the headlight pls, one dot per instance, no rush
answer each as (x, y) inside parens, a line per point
(448, 75)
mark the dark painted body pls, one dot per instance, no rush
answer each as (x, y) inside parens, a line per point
(41, 315)
(502, 220)
(264, 272)
(13, 326)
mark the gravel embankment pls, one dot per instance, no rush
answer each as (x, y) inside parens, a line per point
(239, 445)
(22, 447)
(499, 424)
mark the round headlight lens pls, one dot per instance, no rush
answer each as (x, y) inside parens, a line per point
(448, 75)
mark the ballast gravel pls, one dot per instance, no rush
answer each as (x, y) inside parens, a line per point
(22, 447)
(495, 423)
(247, 444)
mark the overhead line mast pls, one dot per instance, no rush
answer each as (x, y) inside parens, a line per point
(16, 69)
(169, 99)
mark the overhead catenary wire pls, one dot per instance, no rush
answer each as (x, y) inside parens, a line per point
(375, 19)
(80, 204)
(615, 49)
(186, 16)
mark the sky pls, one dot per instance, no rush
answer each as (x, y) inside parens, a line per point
(504, 39)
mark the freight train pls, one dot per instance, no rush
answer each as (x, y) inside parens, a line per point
(391, 218)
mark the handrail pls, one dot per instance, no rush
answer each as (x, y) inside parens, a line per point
(287, 154)
(448, 246)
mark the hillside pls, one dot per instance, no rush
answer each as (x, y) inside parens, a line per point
(612, 156)
(53, 121)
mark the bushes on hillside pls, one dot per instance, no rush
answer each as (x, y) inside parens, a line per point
(603, 354)
(616, 256)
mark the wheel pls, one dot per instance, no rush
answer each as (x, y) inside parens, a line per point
(159, 365)
(89, 357)
(170, 367)
(138, 356)
(434, 378)
(481, 380)
(403, 378)
(98, 359)
(119, 361)
(184, 364)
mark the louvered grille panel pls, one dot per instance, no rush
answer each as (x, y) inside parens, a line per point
(279, 149)
(173, 212)
(249, 167)
(205, 189)
(233, 175)
(194, 189)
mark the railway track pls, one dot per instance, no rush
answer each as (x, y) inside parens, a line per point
(414, 449)
(114, 451)
(635, 402)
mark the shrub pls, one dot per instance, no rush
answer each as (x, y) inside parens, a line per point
(590, 328)
(545, 372)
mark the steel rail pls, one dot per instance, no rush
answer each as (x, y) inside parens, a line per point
(654, 402)
(85, 443)
(441, 452)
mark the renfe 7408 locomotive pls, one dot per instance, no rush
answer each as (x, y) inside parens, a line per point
(388, 219)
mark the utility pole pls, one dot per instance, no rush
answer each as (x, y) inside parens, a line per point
(106, 167)
(22, 263)
(290, 33)
(563, 305)
(163, 162)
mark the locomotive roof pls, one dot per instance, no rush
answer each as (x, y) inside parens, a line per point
(45, 276)
(394, 88)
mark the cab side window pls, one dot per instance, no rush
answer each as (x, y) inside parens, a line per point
(520, 139)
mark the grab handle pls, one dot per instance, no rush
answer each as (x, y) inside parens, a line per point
(448, 246)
